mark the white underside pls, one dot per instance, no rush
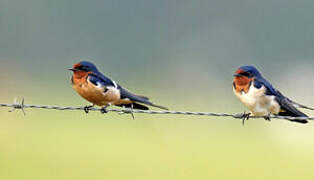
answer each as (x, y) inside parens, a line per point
(257, 102)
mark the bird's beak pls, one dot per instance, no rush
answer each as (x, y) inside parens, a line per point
(72, 69)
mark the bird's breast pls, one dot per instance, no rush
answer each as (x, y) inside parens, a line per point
(257, 101)
(97, 95)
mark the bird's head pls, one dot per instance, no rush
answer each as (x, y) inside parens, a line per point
(245, 75)
(83, 68)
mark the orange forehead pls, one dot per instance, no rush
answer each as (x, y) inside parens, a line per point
(239, 71)
(76, 65)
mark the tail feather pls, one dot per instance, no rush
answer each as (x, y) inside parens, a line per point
(147, 102)
(135, 106)
(300, 121)
(297, 105)
(157, 106)
(293, 114)
(302, 106)
(138, 98)
(144, 97)
(289, 108)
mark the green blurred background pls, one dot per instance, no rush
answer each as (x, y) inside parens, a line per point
(180, 53)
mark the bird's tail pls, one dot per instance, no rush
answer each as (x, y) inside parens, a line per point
(158, 106)
(134, 106)
(139, 99)
(302, 106)
(145, 100)
(300, 121)
(295, 104)
(295, 114)
(303, 121)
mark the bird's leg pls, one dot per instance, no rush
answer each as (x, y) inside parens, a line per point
(267, 118)
(245, 116)
(103, 110)
(88, 108)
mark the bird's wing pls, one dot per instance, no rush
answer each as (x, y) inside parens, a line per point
(288, 107)
(270, 90)
(295, 104)
(101, 80)
(134, 106)
(301, 106)
(125, 94)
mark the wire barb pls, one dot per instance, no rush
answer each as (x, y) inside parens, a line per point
(17, 105)
(22, 106)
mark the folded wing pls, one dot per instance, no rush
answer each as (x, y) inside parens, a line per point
(125, 94)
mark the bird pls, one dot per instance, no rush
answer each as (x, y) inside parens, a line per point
(102, 91)
(261, 98)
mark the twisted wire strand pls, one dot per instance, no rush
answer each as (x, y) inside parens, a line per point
(22, 106)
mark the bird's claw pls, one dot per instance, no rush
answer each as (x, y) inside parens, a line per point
(267, 118)
(104, 110)
(245, 116)
(87, 109)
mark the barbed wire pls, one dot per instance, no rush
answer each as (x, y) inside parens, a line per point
(21, 106)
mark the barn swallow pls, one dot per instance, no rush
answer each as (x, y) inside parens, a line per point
(261, 98)
(100, 90)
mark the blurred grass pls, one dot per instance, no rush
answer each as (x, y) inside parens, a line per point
(47, 144)
(73, 145)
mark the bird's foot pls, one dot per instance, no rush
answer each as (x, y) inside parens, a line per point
(104, 110)
(245, 116)
(88, 108)
(267, 118)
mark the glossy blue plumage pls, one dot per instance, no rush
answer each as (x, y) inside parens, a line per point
(91, 67)
(259, 80)
(288, 107)
(99, 80)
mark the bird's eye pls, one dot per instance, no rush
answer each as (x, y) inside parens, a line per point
(247, 74)
(79, 68)
(82, 68)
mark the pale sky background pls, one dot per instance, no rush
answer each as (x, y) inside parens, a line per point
(182, 54)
